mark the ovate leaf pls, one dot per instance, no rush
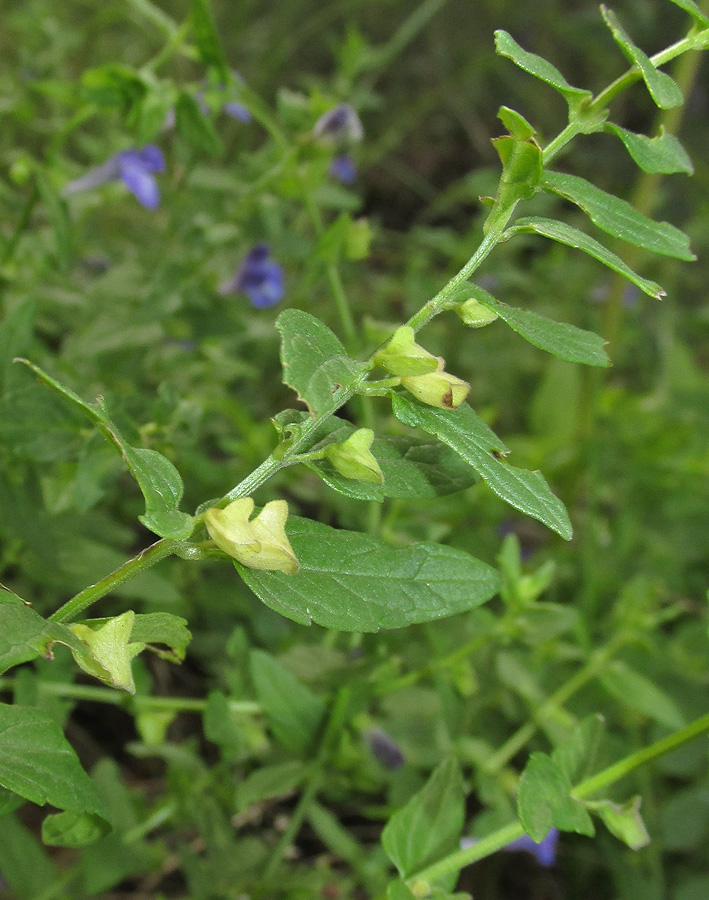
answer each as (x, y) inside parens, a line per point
(558, 338)
(544, 800)
(572, 237)
(663, 90)
(577, 754)
(541, 68)
(662, 155)
(354, 582)
(430, 824)
(619, 218)
(37, 762)
(470, 437)
(73, 829)
(269, 781)
(24, 634)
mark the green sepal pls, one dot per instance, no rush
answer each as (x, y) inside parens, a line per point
(354, 459)
(110, 651)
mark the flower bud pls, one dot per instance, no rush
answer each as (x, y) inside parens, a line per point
(109, 651)
(354, 459)
(474, 314)
(258, 544)
(439, 388)
(403, 356)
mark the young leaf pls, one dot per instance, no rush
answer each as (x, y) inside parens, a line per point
(480, 447)
(266, 782)
(195, 127)
(354, 582)
(429, 826)
(576, 755)
(619, 218)
(544, 800)
(624, 821)
(38, 763)
(572, 237)
(521, 175)
(294, 712)
(505, 45)
(314, 361)
(638, 692)
(73, 829)
(206, 37)
(558, 338)
(694, 11)
(662, 155)
(663, 90)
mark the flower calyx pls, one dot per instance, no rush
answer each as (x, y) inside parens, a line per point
(438, 388)
(259, 543)
(353, 458)
(474, 314)
(403, 356)
(109, 651)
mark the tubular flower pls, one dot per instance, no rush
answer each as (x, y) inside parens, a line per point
(260, 543)
(134, 168)
(339, 127)
(259, 277)
(438, 388)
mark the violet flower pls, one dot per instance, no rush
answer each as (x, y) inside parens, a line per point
(259, 277)
(343, 168)
(134, 168)
(339, 127)
(385, 749)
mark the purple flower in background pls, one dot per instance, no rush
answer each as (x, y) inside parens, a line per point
(134, 168)
(340, 126)
(544, 851)
(259, 277)
(385, 749)
(343, 168)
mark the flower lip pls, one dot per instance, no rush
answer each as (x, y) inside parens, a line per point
(343, 169)
(134, 167)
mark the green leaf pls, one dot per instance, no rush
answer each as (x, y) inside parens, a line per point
(58, 218)
(113, 85)
(624, 821)
(577, 754)
(619, 218)
(572, 237)
(429, 826)
(413, 468)
(521, 174)
(73, 829)
(637, 692)
(159, 481)
(295, 714)
(15, 336)
(544, 800)
(662, 155)
(267, 782)
(694, 11)
(24, 864)
(515, 123)
(206, 38)
(558, 338)
(480, 447)
(195, 127)
(663, 90)
(37, 762)
(24, 634)
(505, 45)
(354, 582)
(314, 361)
(398, 890)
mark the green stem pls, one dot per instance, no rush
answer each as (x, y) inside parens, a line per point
(508, 833)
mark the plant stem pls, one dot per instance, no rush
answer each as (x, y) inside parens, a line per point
(454, 862)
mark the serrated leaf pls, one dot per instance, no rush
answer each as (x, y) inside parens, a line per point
(544, 800)
(24, 634)
(663, 90)
(295, 714)
(576, 755)
(430, 824)
(637, 692)
(38, 763)
(159, 481)
(73, 829)
(314, 361)
(535, 65)
(195, 127)
(689, 6)
(572, 237)
(624, 821)
(662, 155)
(206, 37)
(619, 218)
(354, 582)
(558, 338)
(480, 447)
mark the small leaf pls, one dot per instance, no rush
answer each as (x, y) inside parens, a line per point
(206, 38)
(195, 127)
(515, 123)
(638, 692)
(73, 829)
(624, 821)
(663, 90)
(521, 174)
(354, 582)
(58, 217)
(694, 11)
(38, 763)
(314, 361)
(619, 218)
(267, 782)
(15, 336)
(544, 800)
(576, 755)
(430, 824)
(505, 45)
(480, 447)
(294, 712)
(558, 338)
(572, 237)
(662, 155)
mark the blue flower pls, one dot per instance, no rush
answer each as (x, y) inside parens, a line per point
(544, 851)
(133, 167)
(340, 126)
(259, 277)
(343, 168)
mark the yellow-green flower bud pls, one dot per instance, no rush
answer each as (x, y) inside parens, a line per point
(403, 356)
(474, 314)
(439, 388)
(354, 459)
(258, 544)
(109, 653)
